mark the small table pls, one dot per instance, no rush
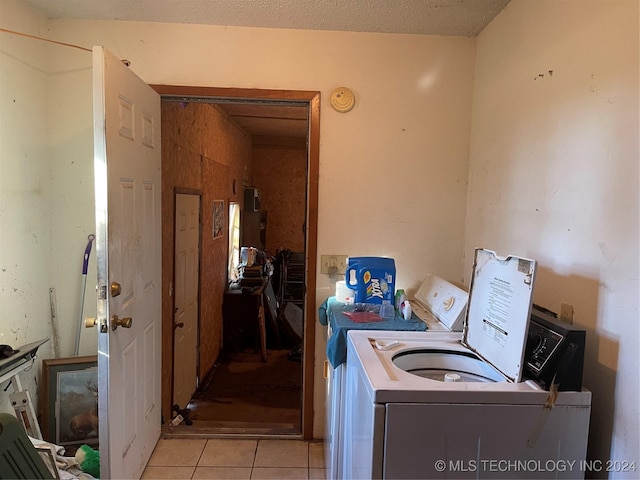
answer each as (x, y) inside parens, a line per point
(242, 312)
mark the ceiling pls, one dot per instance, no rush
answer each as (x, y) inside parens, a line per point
(423, 17)
(267, 123)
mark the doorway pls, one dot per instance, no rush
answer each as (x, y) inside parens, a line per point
(210, 310)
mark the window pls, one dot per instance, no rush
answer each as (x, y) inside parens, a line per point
(234, 241)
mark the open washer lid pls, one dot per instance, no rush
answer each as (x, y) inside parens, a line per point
(497, 320)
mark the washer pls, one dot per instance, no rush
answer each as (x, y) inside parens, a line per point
(438, 304)
(434, 406)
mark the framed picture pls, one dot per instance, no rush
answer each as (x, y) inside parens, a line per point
(69, 400)
(218, 218)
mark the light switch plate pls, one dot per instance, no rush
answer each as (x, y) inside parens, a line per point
(330, 262)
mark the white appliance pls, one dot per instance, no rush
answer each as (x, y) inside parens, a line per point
(439, 304)
(334, 403)
(433, 406)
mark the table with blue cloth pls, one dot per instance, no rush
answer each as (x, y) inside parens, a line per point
(331, 312)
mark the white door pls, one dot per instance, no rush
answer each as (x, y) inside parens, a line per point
(185, 319)
(128, 252)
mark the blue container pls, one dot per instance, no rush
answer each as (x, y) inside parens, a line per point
(372, 279)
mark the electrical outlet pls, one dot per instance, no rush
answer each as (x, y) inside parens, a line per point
(333, 264)
(566, 313)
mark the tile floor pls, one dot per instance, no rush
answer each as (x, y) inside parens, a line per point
(236, 459)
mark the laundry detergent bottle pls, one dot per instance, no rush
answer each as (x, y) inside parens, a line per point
(372, 279)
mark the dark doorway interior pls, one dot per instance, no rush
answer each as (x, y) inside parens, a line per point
(245, 395)
(240, 392)
(256, 387)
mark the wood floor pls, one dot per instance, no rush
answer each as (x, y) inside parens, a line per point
(245, 396)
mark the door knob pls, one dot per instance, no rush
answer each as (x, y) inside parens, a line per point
(90, 322)
(178, 325)
(120, 322)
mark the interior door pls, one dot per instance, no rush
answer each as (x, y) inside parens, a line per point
(185, 318)
(128, 252)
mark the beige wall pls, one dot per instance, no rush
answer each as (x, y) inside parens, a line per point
(46, 192)
(553, 176)
(384, 165)
(25, 240)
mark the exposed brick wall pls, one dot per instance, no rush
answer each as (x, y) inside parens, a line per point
(279, 173)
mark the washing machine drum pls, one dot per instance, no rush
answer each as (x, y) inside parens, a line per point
(446, 366)
(495, 328)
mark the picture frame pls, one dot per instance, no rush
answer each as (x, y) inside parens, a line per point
(69, 401)
(218, 218)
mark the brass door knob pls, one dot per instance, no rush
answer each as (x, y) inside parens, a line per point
(120, 322)
(116, 289)
(90, 322)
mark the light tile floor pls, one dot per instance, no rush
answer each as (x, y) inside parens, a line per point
(236, 459)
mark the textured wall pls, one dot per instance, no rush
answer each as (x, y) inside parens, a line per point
(279, 173)
(203, 152)
(553, 176)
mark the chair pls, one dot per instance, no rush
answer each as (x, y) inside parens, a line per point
(18, 457)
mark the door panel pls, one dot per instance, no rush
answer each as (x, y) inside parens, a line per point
(128, 252)
(185, 324)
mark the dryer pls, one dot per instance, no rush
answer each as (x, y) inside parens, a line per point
(437, 406)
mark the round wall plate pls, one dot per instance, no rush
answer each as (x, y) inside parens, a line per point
(342, 99)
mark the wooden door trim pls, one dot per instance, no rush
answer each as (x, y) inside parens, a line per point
(310, 262)
(236, 93)
(312, 98)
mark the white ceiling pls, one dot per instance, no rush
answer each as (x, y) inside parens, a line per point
(426, 17)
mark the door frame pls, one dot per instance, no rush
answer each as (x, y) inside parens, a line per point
(185, 191)
(312, 99)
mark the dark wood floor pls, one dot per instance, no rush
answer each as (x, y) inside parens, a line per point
(245, 396)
